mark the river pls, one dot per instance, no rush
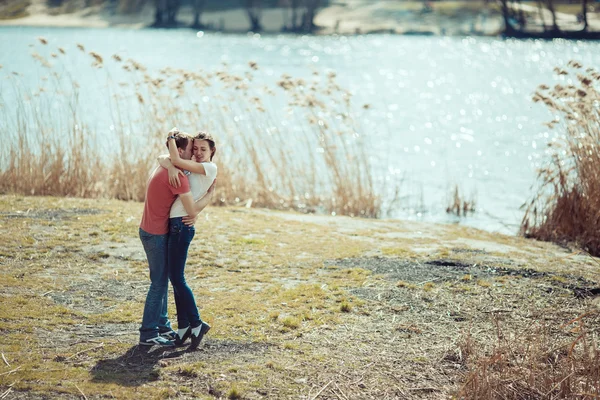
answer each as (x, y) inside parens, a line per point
(442, 111)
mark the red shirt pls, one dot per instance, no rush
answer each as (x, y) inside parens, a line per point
(160, 196)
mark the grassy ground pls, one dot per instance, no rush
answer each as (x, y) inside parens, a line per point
(302, 306)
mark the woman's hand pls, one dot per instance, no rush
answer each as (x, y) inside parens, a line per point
(174, 176)
(189, 221)
(171, 135)
(172, 132)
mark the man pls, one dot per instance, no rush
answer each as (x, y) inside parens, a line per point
(154, 228)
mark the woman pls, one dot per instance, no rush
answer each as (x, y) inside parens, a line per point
(202, 176)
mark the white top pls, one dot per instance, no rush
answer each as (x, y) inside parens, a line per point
(199, 185)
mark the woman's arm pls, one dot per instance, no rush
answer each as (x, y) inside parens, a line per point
(188, 165)
(174, 172)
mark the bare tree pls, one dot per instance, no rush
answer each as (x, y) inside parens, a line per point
(506, 15)
(302, 15)
(515, 22)
(584, 14)
(198, 6)
(172, 10)
(165, 12)
(160, 7)
(520, 15)
(308, 21)
(550, 7)
(254, 10)
(295, 24)
(541, 12)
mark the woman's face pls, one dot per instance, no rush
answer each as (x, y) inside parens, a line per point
(201, 150)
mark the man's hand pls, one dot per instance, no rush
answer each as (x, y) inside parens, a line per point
(212, 187)
(174, 176)
(189, 221)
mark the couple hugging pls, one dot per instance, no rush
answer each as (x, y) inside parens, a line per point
(177, 191)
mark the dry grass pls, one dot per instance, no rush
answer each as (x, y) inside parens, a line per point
(541, 362)
(286, 143)
(300, 305)
(70, 316)
(566, 206)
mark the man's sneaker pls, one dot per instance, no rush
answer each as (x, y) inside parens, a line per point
(169, 335)
(159, 341)
(196, 339)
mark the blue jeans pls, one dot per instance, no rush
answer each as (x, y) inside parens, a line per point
(180, 237)
(155, 317)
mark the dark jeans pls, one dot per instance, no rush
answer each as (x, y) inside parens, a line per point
(180, 237)
(155, 310)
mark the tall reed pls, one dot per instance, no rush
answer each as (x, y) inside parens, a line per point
(566, 204)
(284, 143)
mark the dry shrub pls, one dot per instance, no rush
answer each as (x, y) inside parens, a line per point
(537, 363)
(459, 205)
(566, 205)
(289, 143)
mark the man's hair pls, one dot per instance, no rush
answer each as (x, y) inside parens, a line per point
(181, 138)
(211, 142)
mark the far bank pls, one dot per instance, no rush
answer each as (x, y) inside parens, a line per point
(358, 17)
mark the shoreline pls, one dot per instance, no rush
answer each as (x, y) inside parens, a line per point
(335, 19)
(353, 17)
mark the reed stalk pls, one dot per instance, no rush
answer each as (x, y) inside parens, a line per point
(566, 205)
(540, 362)
(291, 143)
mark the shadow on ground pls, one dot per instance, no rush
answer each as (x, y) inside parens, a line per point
(134, 368)
(137, 366)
